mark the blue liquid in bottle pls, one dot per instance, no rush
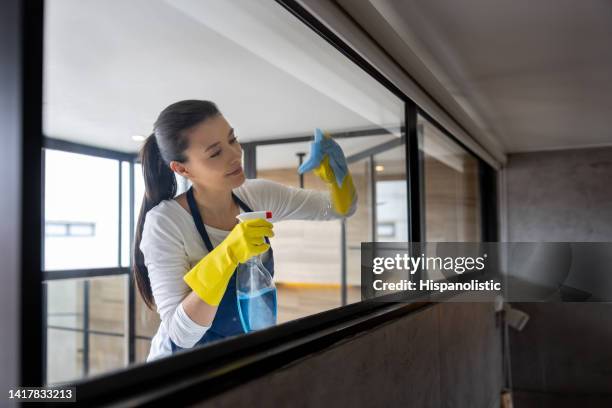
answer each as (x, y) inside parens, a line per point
(257, 309)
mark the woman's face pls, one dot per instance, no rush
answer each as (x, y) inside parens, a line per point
(214, 156)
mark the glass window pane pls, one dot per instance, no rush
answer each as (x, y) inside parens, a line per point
(72, 181)
(452, 198)
(106, 353)
(139, 191)
(382, 210)
(64, 355)
(272, 77)
(306, 261)
(65, 303)
(391, 195)
(66, 317)
(359, 226)
(309, 252)
(107, 303)
(125, 214)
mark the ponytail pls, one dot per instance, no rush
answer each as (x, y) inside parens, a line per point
(167, 143)
(160, 184)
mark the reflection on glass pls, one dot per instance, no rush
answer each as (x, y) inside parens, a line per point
(69, 203)
(308, 252)
(359, 226)
(381, 216)
(452, 203)
(306, 262)
(391, 195)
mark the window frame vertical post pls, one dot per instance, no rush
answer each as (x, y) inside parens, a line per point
(414, 173)
(120, 214)
(85, 327)
(30, 68)
(130, 288)
(489, 216)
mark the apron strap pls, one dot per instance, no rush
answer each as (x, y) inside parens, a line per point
(238, 201)
(197, 218)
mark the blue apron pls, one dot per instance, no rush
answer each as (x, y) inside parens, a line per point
(227, 319)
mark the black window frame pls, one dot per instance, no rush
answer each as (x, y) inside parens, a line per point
(251, 356)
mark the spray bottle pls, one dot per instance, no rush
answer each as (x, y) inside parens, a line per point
(255, 290)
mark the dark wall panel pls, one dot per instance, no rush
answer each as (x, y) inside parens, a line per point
(564, 349)
(10, 185)
(470, 355)
(562, 196)
(443, 356)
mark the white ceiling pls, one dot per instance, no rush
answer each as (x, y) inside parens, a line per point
(536, 75)
(111, 66)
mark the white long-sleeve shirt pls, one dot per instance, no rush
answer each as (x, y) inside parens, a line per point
(172, 245)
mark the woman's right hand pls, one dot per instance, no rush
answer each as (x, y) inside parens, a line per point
(247, 239)
(209, 278)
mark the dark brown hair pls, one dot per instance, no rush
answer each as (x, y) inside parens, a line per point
(167, 143)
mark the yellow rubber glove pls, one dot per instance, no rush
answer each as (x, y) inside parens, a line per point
(341, 197)
(209, 278)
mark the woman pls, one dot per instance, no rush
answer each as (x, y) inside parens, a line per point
(187, 247)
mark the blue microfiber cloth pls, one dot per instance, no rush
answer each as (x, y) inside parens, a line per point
(320, 147)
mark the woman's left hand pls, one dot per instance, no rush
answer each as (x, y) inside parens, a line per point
(326, 153)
